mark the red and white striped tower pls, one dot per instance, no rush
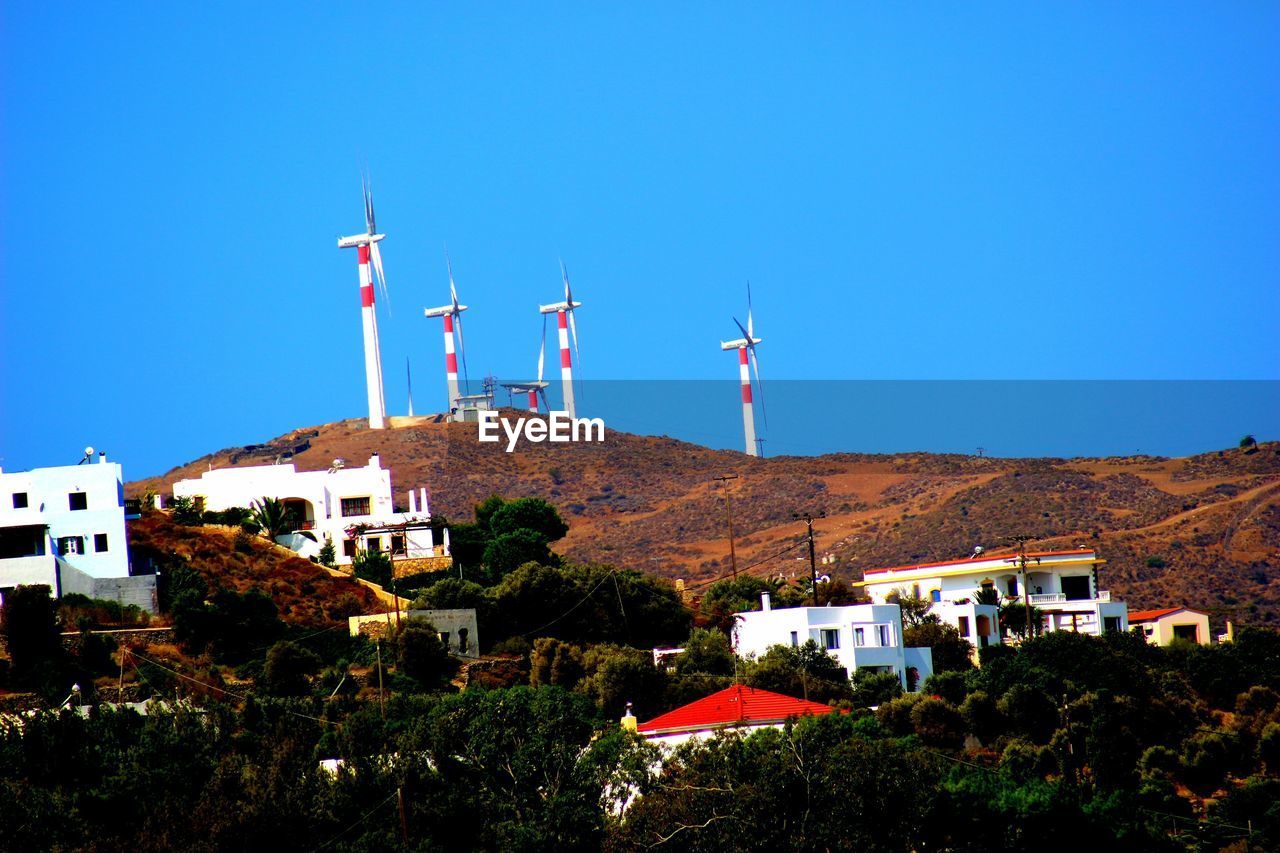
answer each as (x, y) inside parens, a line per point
(748, 408)
(369, 263)
(372, 352)
(452, 314)
(533, 400)
(450, 360)
(566, 362)
(565, 326)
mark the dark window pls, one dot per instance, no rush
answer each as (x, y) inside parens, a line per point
(78, 500)
(830, 638)
(1186, 632)
(795, 638)
(354, 506)
(19, 500)
(1111, 623)
(1076, 588)
(348, 547)
(963, 626)
(444, 639)
(397, 544)
(462, 640)
(1012, 586)
(935, 595)
(99, 542)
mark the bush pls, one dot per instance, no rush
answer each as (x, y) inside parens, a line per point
(981, 716)
(951, 686)
(287, 669)
(554, 662)
(895, 717)
(875, 688)
(421, 655)
(373, 566)
(937, 722)
(186, 512)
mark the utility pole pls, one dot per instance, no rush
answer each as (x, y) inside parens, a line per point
(382, 705)
(1021, 562)
(760, 447)
(813, 562)
(728, 515)
(404, 822)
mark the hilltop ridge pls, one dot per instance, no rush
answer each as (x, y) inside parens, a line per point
(1201, 530)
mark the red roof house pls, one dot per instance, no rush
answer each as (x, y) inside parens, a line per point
(735, 706)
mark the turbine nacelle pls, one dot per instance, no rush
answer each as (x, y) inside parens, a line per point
(359, 240)
(443, 310)
(558, 306)
(740, 343)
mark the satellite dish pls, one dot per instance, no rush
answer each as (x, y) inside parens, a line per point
(339, 463)
(88, 451)
(977, 549)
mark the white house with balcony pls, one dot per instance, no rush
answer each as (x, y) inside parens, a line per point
(859, 636)
(64, 527)
(352, 507)
(1062, 585)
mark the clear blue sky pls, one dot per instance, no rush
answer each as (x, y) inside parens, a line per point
(1013, 191)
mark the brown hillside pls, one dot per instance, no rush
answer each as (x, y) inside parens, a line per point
(1202, 531)
(304, 593)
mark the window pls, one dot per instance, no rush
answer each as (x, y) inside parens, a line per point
(935, 595)
(373, 543)
(1076, 588)
(795, 639)
(78, 500)
(1182, 632)
(354, 506)
(859, 636)
(19, 500)
(963, 625)
(99, 542)
(462, 640)
(884, 633)
(830, 638)
(348, 547)
(1011, 587)
(444, 639)
(397, 544)
(70, 545)
(1112, 623)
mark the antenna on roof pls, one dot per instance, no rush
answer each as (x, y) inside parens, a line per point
(88, 454)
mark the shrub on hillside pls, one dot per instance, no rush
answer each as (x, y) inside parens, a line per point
(288, 668)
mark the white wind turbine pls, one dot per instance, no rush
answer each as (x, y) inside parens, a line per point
(746, 347)
(565, 325)
(369, 252)
(452, 314)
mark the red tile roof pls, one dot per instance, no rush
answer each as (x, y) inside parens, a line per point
(980, 558)
(736, 705)
(1152, 615)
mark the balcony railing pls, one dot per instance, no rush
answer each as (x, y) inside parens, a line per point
(1061, 598)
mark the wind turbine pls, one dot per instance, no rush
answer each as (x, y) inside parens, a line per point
(566, 325)
(746, 347)
(452, 314)
(537, 388)
(367, 250)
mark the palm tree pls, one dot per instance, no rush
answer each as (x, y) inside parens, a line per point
(987, 595)
(271, 515)
(1248, 443)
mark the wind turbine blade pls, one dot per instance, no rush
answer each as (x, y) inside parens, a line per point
(370, 220)
(750, 325)
(380, 273)
(542, 350)
(745, 333)
(462, 348)
(573, 330)
(564, 274)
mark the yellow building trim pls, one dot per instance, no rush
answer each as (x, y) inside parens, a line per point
(924, 573)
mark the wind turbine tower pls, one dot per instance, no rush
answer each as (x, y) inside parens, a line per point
(367, 251)
(452, 314)
(566, 325)
(746, 347)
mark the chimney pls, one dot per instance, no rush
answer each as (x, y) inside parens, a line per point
(629, 720)
(424, 506)
(375, 461)
(764, 602)
(102, 457)
(413, 502)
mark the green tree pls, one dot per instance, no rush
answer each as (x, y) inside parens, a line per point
(875, 688)
(951, 652)
(420, 653)
(328, 555)
(1249, 443)
(555, 663)
(508, 551)
(272, 518)
(186, 512)
(805, 671)
(288, 668)
(528, 514)
(706, 653)
(915, 610)
(937, 722)
(373, 566)
(616, 675)
(31, 632)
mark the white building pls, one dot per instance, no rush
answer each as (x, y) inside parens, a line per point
(64, 527)
(1063, 585)
(859, 636)
(350, 506)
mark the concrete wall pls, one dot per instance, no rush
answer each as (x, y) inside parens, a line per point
(450, 623)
